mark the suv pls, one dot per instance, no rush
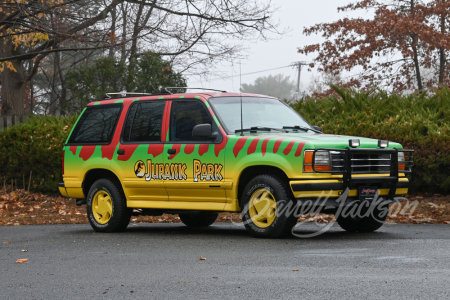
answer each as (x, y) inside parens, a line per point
(198, 154)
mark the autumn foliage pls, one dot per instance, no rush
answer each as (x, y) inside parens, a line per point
(404, 46)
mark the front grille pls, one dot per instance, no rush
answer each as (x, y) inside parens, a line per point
(362, 163)
(365, 161)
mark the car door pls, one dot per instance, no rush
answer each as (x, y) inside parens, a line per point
(140, 152)
(200, 168)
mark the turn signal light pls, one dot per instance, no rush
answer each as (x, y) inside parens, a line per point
(319, 163)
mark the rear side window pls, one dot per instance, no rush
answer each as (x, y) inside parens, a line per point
(144, 122)
(96, 125)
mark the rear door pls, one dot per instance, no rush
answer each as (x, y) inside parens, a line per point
(200, 168)
(140, 153)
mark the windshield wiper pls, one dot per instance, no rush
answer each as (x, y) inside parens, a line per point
(259, 128)
(296, 128)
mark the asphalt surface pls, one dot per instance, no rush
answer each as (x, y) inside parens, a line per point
(161, 261)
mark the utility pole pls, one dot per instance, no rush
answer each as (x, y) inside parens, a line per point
(299, 65)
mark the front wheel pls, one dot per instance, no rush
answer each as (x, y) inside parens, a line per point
(268, 209)
(106, 207)
(198, 219)
(366, 218)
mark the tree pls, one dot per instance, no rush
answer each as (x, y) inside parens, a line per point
(276, 86)
(391, 47)
(192, 33)
(108, 74)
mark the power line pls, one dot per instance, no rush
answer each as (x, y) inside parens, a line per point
(232, 76)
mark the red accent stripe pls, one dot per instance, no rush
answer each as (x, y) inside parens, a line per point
(165, 123)
(155, 149)
(252, 148)
(277, 145)
(239, 145)
(288, 148)
(86, 152)
(221, 146)
(202, 149)
(108, 150)
(73, 149)
(264, 146)
(299, 150)
(189, 148)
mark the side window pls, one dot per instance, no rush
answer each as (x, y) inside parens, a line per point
(144, 122)
(184, 117)
(96, 125)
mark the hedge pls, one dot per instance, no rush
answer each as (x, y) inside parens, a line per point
(34, 146)
(419, 122)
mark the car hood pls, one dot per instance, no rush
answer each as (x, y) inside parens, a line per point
(317, 140)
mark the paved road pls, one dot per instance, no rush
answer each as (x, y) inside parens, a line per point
(161, 261)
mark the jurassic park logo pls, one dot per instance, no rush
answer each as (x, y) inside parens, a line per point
(201, 171)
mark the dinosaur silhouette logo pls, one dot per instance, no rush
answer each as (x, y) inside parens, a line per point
(139, 169)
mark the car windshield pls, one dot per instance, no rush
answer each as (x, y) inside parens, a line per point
(256, 112)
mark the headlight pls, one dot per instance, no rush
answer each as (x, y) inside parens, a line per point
(321, 161)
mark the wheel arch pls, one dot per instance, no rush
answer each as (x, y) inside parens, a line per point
(250, 172)
(95, 174)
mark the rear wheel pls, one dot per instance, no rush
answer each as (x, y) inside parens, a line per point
(268, 209)
(106, 207)
(198, 219)
(368, 218)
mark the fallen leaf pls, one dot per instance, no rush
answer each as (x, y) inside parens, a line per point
(296, 270)
(22, 261)
(8, 242)
(202, 258)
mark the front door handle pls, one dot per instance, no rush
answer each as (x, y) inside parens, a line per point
(120, 152)
(172, 151)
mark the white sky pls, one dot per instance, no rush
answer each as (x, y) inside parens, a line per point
(294, 14)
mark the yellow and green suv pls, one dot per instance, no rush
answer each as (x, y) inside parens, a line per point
(199, 154)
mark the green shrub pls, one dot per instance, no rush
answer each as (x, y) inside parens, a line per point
(419, 122)
(34, 146)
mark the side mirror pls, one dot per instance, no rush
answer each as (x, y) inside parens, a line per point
(202, 131)
(317, 128)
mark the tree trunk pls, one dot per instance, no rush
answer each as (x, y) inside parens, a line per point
(113, 31)
(416, 62)
(442, 58)
(123, 50)
(13, 89)
(416, 56)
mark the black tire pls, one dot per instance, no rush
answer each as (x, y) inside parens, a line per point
(198, 219)
(120, 214)
(373, 218)
(284, 218)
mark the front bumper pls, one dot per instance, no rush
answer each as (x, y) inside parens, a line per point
(334, 188)
(358, 167)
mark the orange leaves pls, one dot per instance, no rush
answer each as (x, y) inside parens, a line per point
(112, 37)
(388, 40)
(22, 261)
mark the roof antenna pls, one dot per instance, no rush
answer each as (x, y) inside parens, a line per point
(240, 91)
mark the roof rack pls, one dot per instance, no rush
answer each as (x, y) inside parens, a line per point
(108, 95)
(166, 89)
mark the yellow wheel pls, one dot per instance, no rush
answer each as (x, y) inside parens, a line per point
(262, 208)
(106, 206)
(102, 207)
(268, 207)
